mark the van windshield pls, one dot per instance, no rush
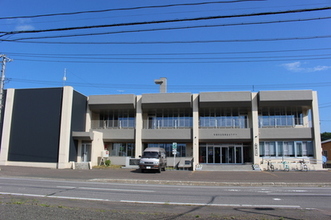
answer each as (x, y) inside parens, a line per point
(149, 154)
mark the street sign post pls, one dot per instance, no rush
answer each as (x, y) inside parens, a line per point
(174, 152)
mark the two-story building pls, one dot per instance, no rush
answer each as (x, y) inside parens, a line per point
(54, 127)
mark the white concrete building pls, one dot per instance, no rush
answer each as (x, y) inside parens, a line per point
(210, 128)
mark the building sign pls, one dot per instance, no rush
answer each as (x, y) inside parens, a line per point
(256, 150)
(225, 134)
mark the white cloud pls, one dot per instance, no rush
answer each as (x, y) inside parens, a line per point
(24, 27)
(297, 67)
(21, 24)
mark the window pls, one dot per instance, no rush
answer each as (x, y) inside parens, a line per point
(181, 148)
(223, 118)
(169, 118)
(280, 117)
(286, 149)
(123, 150)
(117, 119)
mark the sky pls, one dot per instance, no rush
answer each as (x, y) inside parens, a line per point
(121, 47)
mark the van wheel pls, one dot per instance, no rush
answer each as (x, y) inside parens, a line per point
(142, 170)
(163, 169)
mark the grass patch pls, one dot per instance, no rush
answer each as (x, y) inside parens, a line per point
(111, 166)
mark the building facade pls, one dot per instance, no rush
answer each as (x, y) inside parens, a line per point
(55, 127)
(326, 148)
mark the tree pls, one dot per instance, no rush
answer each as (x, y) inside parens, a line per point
(325, 136)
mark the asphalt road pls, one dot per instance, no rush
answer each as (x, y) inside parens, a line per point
(266, 197)
(37, 193)
(248, 178)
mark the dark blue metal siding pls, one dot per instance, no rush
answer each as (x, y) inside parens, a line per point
(35, 127)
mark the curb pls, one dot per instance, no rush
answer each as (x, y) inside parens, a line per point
(202, 183)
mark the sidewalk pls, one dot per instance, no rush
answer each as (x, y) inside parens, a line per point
(176, 177)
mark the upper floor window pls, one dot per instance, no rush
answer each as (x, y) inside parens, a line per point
(280, 117)
(169, 118)
(117, 119)
(223, 118)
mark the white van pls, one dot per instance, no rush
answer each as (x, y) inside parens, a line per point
(153, 158)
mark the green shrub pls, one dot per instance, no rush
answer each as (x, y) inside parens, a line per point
(107, 163)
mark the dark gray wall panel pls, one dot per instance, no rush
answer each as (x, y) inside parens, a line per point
(78, 121)
(35, 125)
(2, 113)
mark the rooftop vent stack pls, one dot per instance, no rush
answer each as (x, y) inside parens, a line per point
(163, 84)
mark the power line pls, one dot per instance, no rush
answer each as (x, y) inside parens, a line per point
(126, 9)
(181, 58)
(143, 86)
(170, 54)
(178, 42)
(179, 62)
(172, 28)
(166, 21)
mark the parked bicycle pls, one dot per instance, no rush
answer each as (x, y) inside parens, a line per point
(286, 167)
(303, 166)
(271, 167)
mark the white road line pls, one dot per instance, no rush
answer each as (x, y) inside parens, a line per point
(58, 197)
(81, 198)
(66, 187)
(22, 194)
(153, 202)
(218, 205)
(118, 190)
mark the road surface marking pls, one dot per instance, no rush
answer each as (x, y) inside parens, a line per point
(208, 204)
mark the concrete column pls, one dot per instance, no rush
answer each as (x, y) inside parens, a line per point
(7, 119)
(255, 129)
(139, 127)
(317, 131)
(97, 146)
(65, 128)
(88, 124)
(195, 98)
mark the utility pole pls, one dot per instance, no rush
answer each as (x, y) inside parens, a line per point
(5, 59)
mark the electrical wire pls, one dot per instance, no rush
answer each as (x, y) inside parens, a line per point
(179, 58)
(168, 54)
(144, 86)
(125, 9)
(177, 42)
(171, 28)
(178, 62)
(165, 21)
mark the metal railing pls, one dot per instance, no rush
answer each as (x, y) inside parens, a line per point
(279, 121)
(113, 124)
(224, 123)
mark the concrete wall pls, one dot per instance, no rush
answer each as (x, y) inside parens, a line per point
(286, 133)
(167, 134)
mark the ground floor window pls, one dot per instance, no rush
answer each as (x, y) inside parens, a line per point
(286, 149)
(122, 149)
(181, 148)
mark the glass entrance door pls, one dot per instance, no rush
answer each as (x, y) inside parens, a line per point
(218, 154)
(229, 155)
(86, 152)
